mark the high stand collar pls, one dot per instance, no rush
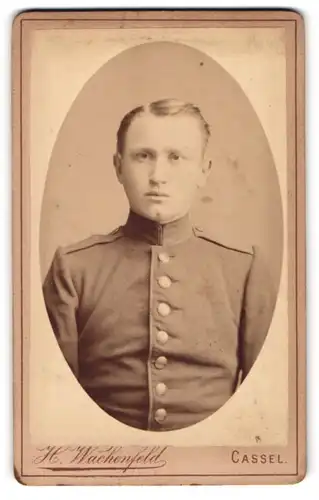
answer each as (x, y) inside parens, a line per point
(155, 233)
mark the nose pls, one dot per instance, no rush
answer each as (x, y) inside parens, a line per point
(158, 172)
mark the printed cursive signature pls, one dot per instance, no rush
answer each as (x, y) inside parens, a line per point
(57, 458)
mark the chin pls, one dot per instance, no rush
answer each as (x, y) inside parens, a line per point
(157, 216)
(161, 216)
(162, 219)
(157, 212)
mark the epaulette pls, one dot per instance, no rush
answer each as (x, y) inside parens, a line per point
(93, 240)
(243, 248)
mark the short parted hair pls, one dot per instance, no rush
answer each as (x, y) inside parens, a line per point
(163, 107)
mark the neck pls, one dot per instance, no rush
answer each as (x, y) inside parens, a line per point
(158, 233)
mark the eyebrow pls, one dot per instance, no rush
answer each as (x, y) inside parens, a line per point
(143, 148)
(175, 149)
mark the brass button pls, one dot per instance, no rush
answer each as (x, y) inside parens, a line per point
(160, 362)
(160, 415)
(164, 281)
(163, 257)
(163, 309)
(160, 389)
(161, 337)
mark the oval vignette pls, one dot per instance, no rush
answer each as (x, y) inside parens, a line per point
(241, 201)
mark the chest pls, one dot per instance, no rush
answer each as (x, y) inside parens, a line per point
(161, 289)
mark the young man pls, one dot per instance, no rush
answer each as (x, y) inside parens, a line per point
(158, 321)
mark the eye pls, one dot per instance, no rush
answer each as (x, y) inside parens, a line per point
(173, 156)
(142, 155)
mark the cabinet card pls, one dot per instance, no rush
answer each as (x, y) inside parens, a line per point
(159, 247)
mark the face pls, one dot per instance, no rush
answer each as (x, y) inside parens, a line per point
(162, 165)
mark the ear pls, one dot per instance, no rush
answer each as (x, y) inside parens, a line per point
(205, 171)
(117, 162)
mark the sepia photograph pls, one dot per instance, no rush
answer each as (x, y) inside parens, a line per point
(158, 241)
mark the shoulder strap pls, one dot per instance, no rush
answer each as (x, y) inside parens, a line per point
(205, 235)
(98, 239)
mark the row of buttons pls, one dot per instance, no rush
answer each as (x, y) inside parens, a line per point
(163, 309)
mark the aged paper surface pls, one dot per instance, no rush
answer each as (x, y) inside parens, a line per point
(66, 437)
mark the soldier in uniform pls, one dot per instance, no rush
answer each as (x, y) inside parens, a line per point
(158, 321)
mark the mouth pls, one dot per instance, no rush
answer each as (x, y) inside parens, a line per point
(156, 194)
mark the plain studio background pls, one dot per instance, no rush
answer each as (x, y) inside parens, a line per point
(241, 203)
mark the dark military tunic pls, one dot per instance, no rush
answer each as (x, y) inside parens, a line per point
(158, 322)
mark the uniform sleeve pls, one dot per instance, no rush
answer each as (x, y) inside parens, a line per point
(61, 303)
(257, 310)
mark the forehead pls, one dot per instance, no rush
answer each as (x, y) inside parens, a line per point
(177, 131)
